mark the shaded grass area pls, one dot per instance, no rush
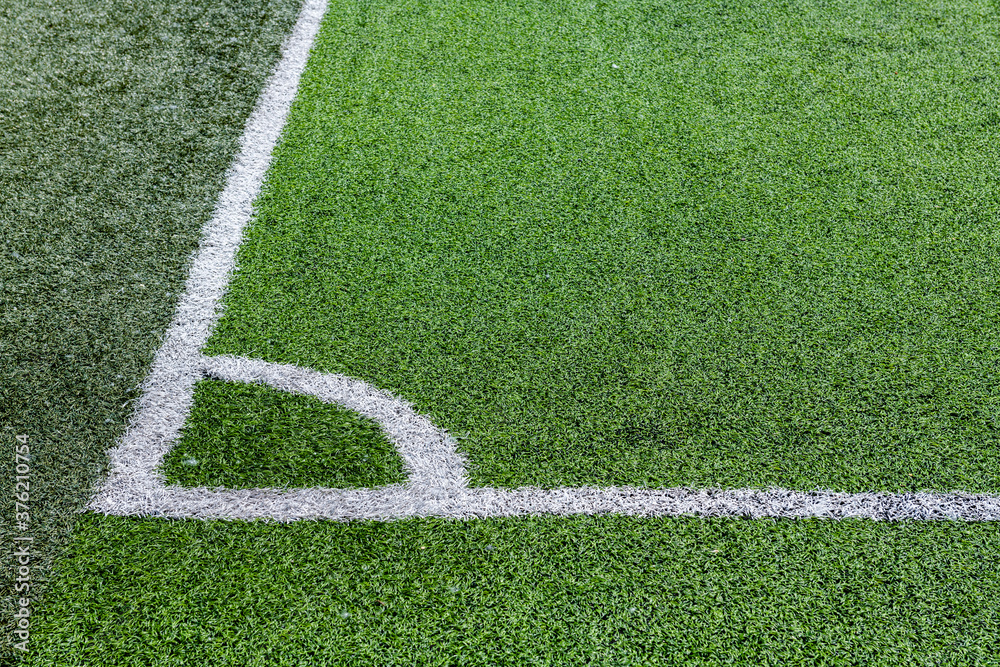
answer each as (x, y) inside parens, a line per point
(250, 436)
(117, 122)
(540, 590)
(726, 244)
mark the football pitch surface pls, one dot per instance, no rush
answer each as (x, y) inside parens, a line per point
(576, 333)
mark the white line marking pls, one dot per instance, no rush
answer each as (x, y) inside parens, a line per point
(167, 391)
(437, 485)
(437, 482)
(428, 452)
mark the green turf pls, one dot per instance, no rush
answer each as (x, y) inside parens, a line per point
(554, 591)
(690, 243)
(826, 171)
(118, 120)
(250, 436)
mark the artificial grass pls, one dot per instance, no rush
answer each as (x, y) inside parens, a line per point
(539, 590)
(118, 121)
(727, 244)
(250, 436)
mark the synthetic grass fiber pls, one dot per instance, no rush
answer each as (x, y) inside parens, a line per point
(587, 590)
(248, 436)
(707, 244)
(535, 221)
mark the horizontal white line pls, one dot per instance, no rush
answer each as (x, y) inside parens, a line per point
(399, 502)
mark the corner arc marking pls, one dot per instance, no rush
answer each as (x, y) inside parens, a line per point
(428, 452)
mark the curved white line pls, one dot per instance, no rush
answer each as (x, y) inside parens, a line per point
(438, 485)
(428, 452)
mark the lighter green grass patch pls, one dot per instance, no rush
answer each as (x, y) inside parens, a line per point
(730, 244)
(251, 436)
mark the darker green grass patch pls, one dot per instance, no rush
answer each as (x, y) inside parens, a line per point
(731, 244)
(536, 590)
(251, 436)
(118, 120)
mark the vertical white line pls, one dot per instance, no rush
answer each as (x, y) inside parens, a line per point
(167, 391)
